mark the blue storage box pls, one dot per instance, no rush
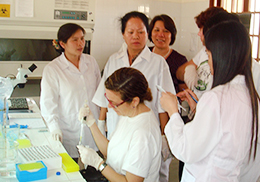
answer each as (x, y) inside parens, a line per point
(31, 171)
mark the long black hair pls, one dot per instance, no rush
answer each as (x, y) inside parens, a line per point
(230, 46)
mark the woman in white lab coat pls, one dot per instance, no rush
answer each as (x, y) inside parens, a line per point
(68, 82)
(219, 142)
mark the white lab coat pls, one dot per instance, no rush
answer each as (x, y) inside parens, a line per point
(215, 145)
(64, 90)
(154, 68)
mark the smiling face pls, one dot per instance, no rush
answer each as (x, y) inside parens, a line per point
(161, 37)
(135, 34)
(75, 44)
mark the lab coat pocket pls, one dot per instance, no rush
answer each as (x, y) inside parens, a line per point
(187, 176)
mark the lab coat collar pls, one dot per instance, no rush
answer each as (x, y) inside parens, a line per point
(144, 55)
(64, 61)
(66, 64)
(239, 79)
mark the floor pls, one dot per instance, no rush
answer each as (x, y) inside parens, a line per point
(174, 168)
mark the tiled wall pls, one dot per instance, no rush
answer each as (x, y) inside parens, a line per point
(107, 37)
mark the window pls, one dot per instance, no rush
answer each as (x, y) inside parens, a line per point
(245, 6)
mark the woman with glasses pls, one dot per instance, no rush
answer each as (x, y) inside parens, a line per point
(134, 53)
(133, 153)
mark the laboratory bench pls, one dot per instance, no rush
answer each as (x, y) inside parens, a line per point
(39, 135)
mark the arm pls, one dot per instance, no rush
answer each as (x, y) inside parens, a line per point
(181, 70)
(100, 139)
(204, 131)
(182, 86)
(49, 101)
(113, 176)
(86, 117)
(163, 121)
(102, 115)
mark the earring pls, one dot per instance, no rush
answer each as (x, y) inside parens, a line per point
(133, 106)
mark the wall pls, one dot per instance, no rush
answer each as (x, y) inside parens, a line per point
(107, 37)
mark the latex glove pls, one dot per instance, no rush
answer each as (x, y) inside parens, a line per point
(191, 76)
(102, 126)
(57, 135)
(89, 156)
(166, 153)
(83, 114)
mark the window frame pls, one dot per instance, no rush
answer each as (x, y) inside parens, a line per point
(246, 4)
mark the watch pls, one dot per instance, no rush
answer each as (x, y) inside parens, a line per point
(102, 167)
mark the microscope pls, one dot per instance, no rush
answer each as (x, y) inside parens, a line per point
(22, 75)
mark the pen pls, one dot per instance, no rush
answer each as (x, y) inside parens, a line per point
(162, 90)
(192, 97)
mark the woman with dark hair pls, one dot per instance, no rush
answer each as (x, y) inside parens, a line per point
(222, 141)
(133, 153)
(162, 34)
(67, 83)
(134, 53)
(196, 72)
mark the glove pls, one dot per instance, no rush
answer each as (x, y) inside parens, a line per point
(57, 135)
(89, 156)
(191, 76)
(166, 153)
(102, 126)
(85, 116)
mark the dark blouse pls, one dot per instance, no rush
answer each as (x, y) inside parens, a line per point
(175, 60)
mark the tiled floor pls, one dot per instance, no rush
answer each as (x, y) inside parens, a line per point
(174, 168)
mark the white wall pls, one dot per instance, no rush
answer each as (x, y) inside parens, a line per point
(107, 37)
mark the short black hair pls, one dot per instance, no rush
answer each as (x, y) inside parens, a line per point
(168, 23)
(134, 14)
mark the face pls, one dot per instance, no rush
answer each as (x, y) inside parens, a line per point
(114, 99)
(75, 44)
(200, 34)
(210, 61)
(160, 35)
(135, 34)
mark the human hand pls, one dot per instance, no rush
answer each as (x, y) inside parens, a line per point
(169, 103)
(89, 156)
(102, 126)
(166, 152)
(57, 135)
(83, 114)
(186, 95)
(191, 76)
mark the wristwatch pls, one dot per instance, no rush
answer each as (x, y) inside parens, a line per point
(102, 167)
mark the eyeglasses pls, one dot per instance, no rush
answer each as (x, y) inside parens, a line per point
(115, 106)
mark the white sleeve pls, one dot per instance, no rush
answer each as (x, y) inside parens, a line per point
(200, 56)
(203, 132)
(49, 98)
(99, 97)
(165, 81)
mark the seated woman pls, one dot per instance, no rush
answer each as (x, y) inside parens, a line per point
(134, 151)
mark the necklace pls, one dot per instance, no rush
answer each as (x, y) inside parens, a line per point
(166, 55)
